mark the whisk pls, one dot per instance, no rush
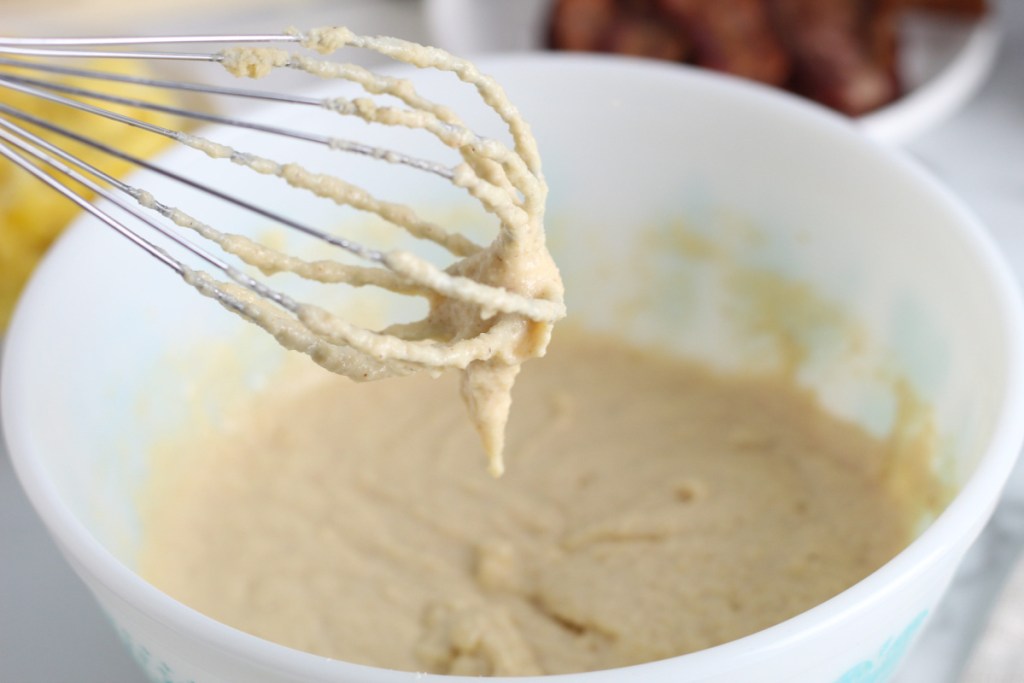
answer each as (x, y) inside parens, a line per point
(490, 309)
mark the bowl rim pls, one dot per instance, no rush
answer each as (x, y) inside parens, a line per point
(962, 519)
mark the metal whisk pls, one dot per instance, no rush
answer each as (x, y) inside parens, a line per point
(490, 309)
(507, 182)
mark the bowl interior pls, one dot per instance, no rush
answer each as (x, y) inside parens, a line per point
(688, 211)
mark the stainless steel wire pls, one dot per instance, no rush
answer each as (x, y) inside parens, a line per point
(505, 181)
(74, 179)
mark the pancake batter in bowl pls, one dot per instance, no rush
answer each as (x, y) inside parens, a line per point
(651, 508)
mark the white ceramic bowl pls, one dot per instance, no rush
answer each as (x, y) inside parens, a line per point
(890, 279)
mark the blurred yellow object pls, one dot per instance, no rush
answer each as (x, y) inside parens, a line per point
(31, 214)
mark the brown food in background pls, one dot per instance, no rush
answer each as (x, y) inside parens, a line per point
(645, 36)
(831, 61)
(582, 25)
(627, 27)
(881, 21)
(841, 53)
(732, 36)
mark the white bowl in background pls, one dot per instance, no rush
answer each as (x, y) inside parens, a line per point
(943, 61)
(105, 349)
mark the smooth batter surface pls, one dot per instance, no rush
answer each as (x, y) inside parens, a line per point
(649, 509)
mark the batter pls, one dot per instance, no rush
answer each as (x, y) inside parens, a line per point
(490, 310)
(650, 509)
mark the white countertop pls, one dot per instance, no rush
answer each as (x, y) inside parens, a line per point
(51, 630)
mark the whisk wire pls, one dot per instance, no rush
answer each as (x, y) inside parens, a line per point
(79, 41)
(49, 157)
(504, 181)
(35, 170)
(203, 88)
(62, 47)
(39, 88)
(48, 91)
(347, 245)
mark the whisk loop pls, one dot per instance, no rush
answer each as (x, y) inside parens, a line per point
(490, 309)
